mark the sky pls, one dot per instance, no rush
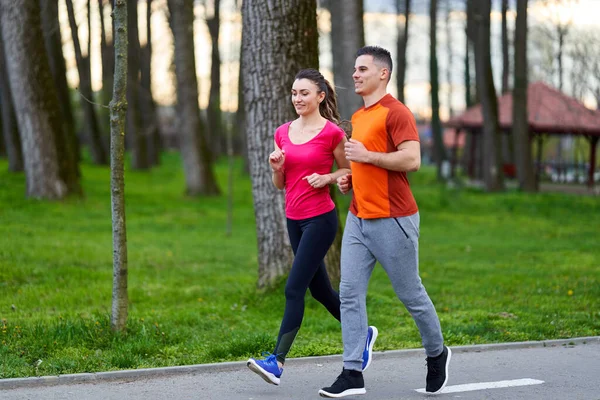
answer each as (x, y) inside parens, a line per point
(380, 29)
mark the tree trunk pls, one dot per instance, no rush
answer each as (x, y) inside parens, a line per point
(505, 56)
(199, 175)
(216, 132)
(67, 144)
(118, 110)
(107, 55)
(492, 162)
(520, 129)
(439, 153)
(136, 138)
(53, 40)
(10, 130)
(347, 36)
(402, 45)
(151, 127)
(34, 97)
(86, 95)
(240, 117)
(450, 51)
(272, 28)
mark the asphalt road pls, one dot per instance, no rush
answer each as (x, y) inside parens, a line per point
(565, 369)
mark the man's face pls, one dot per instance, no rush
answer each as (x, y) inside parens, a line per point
(368, 75)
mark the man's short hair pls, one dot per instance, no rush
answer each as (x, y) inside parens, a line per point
(379, 54)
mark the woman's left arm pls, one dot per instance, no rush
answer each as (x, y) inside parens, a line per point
(341, 161)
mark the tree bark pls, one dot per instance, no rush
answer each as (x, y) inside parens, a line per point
(505, 56)
(402, 45)
(439, 153)
(67, 144)
(216, 132)
(118, 112)
(347, 36)
(199, 175)
(10, 129)
(271, 29)
(34, 97)
(492, 162)
(520, 128)
(53, 40)
(135, 135)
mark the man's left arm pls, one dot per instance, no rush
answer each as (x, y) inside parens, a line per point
(406, 158)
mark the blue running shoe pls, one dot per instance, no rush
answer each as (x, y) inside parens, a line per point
(266, 369)
(368, 351)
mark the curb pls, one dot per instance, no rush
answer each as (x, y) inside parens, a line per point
(13, 383)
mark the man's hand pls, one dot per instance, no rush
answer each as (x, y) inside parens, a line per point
(356, 151)
(344, 183)
(318, 181)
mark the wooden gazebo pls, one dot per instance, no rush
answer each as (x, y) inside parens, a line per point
(550, 112)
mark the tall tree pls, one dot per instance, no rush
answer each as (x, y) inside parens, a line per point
(135, 133)
(34, 97)
(347, 36)
(10, 130)
(480, 35)
(107, 56)
(53, 40)
(520, 128)
(151, 129)
(505, 45)
(67, 143)
(439, 153)
(402, 45)
(118, 109)
(94, 139)
(450, 54)
(272, 28)
(199, 175)
(216, 127)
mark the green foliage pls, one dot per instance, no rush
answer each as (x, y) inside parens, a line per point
(499, 267)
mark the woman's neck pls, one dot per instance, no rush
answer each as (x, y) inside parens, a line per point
(312, 120)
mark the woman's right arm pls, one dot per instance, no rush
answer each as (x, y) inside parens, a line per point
(277, 160)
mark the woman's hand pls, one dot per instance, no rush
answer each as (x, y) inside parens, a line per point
(318, 181)
(277, 159)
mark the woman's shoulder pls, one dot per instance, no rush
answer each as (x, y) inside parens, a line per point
(334, 129)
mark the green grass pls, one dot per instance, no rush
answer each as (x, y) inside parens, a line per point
(501, 267)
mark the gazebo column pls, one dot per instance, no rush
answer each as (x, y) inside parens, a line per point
(457, 133)
(593, 143)
(538, 169)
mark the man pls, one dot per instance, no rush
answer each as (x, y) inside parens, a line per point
(383, 224)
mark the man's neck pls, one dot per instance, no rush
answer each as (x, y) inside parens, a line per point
(374, 97)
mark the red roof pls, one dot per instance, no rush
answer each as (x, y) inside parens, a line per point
(550, 111)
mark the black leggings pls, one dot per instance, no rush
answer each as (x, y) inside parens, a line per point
(310, 239)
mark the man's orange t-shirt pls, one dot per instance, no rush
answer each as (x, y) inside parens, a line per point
(378, 192)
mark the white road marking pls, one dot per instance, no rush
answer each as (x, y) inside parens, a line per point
(487, 385)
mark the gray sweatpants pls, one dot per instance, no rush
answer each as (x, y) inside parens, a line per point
(394, 242)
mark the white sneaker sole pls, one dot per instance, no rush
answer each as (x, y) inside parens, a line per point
(347, 392)
(370, 350)
(266, 375)
(446, 380)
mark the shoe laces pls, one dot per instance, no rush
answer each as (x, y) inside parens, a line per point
(433, 366)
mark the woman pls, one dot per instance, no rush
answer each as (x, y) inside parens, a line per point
(305, 150)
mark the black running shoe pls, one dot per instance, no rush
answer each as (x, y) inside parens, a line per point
(437, 371)
(347, 384)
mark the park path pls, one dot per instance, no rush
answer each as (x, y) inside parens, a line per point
(555, 369)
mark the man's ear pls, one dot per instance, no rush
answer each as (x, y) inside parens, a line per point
(385, 74)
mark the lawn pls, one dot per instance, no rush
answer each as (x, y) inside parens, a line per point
(499, 267)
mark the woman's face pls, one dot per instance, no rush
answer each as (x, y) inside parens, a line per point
(306, 97)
